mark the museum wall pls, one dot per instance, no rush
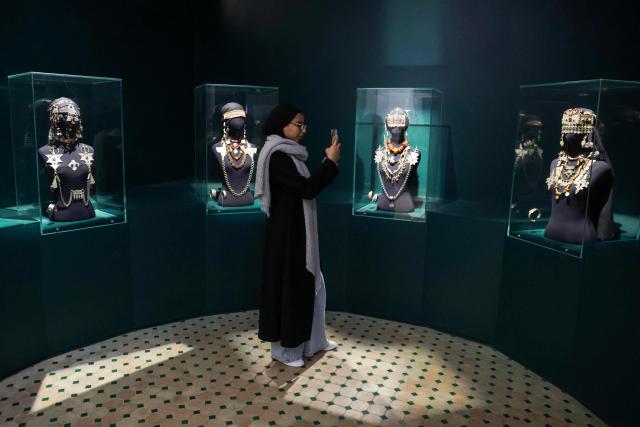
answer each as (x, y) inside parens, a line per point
(456, 272)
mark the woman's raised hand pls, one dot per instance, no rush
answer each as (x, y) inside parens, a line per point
(333, 151)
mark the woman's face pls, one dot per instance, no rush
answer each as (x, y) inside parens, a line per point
(296, 129)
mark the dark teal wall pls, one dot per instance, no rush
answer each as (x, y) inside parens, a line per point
(571, 320)
(477, 53)
(148, 45)
(169, 262)
(575, 321)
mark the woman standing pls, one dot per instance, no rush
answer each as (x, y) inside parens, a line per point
(293, 294)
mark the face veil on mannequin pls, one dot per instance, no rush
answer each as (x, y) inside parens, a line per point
(65, 124)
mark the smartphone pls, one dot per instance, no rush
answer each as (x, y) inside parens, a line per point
(334, 132)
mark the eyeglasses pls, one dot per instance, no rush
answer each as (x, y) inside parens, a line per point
(300, 125)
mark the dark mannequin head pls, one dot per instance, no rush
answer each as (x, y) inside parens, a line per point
(235, 127)
(397, 132)
(531, 127)
(572, 144)
(233, 120)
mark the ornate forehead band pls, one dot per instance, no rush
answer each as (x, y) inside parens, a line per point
(64, 108)
(575, 120)
(233, 114)
(397, 118)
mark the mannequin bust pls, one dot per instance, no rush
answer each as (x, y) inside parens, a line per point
(235, 157)
(68, 163)
(529, 160)
(396, 163)
(580, 181)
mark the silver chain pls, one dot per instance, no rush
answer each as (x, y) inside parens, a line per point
(82, 194)
(75, 194)
(394, 176)
(404, 183)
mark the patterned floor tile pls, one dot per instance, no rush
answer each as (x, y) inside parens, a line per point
(214, 371)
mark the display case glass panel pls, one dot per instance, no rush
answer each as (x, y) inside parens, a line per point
(228, 137)
(67, 147)
(400, 152)
(573, 176)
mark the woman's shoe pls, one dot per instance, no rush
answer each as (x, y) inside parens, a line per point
(332, 345)
(295, 364)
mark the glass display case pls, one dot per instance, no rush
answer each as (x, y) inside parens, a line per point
(67, 146)
(573, 174)
(228, 137)
(399, 152)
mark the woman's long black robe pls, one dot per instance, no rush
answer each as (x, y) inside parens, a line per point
(288, 291)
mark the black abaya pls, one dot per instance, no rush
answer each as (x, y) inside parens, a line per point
(288, 291)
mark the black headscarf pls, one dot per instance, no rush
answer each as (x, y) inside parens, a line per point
(278, 118)
(605, 227)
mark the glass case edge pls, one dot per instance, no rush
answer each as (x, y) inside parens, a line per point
(32, 73)
(233, 85)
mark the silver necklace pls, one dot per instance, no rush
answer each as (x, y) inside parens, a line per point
(55, 158)
(389, 161)
(408, 158)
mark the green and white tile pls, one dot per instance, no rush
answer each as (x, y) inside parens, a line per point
(214, 371)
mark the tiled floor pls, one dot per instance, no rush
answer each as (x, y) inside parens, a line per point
(215, 371)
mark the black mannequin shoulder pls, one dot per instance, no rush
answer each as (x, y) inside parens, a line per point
(601, 169)
(44, 150)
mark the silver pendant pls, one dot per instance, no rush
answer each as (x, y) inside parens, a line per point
(73, 165)
(77, 194)
(54, 160)
(392, 204)
(87, 158)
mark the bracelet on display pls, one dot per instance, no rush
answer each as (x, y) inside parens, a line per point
(534, 214)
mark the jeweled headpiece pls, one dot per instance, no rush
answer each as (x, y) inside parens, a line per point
(65, 124)
(578, 120)
(232, 114)
(397, 118)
